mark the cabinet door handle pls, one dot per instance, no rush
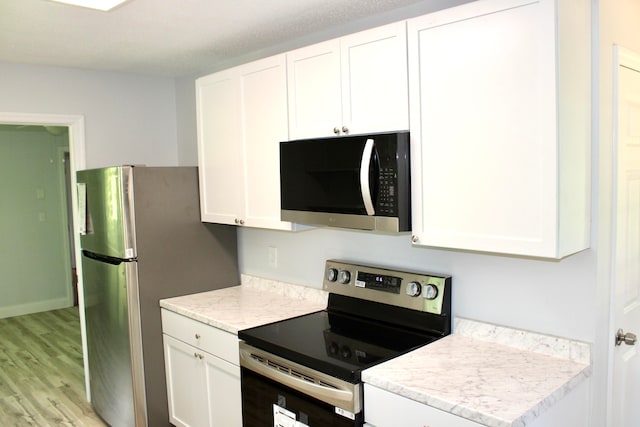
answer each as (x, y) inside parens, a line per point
(345, 130)
(197, 336)
(336, 130)
(198, 355)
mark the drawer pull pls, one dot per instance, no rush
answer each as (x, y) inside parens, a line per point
(198, 355)
(197, 336)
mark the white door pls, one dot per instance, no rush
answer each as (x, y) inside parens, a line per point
(626, 316)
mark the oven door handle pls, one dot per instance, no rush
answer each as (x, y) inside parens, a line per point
(365, 187)
(342, 398)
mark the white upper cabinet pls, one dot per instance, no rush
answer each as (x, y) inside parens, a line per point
(242, 117)
(220, 149)
(500, 127)
(351, 85)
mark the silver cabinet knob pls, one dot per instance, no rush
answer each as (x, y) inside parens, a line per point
(237, 221)
(197, 336)
(242, 222)
(414, 239)
(198, 355)
(345, 129)
(628, 338)
(336, 130)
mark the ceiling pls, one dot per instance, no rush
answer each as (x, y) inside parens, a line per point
(167, 37)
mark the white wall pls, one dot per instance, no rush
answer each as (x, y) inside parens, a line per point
(554, 297)
(129, 119)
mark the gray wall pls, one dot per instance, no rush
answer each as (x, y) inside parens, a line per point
(35, 261)
(129, 119)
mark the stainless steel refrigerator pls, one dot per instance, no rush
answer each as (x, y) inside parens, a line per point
(142, 240)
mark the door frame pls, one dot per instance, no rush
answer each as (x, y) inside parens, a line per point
(77, 157)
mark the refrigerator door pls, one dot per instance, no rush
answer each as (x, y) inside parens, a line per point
(105, 205)
(114, 340)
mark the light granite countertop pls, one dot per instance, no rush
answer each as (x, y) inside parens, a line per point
(489, 374)
(256, 302)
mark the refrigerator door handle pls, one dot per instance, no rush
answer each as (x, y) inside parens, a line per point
(82, 208)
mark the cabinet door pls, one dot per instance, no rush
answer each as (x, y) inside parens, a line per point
(484, 138)
(203, 390)
(314, 90)
(186, 385)
(375, 90)
(263, 99)
(223, 385)
(220, 157)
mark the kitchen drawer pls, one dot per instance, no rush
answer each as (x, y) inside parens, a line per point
(207, 338)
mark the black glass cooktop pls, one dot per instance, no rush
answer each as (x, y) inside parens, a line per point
(338, 344)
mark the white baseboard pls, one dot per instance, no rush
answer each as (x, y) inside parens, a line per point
(34, 307)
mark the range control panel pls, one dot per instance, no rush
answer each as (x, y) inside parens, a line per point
(425, 292)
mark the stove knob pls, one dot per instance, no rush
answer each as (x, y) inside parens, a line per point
(333, 348)
(430, 291)
(332, 274)
(345, 352)
(344, 277)
(414, 289)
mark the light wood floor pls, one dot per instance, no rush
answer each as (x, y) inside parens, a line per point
(41, 372)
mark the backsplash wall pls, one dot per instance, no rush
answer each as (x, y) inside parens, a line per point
(548, 296)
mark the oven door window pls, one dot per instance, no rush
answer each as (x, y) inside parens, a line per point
(324, 175)
(266, 403)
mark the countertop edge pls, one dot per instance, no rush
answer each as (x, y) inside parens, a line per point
(196, 316)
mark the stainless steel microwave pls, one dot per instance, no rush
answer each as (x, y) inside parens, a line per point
(359, 182)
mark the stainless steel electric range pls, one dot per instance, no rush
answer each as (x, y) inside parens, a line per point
(306, 371)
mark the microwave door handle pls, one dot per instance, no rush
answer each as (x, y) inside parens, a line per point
(365, 188)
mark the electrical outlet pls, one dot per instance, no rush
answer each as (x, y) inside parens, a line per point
(273, 257)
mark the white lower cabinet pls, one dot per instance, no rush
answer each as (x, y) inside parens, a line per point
(385, 409)
(203, 384)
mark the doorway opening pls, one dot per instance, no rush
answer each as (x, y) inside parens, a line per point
(76, 161)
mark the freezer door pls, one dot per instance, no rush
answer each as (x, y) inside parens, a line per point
(106, 212)
(114, 341)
